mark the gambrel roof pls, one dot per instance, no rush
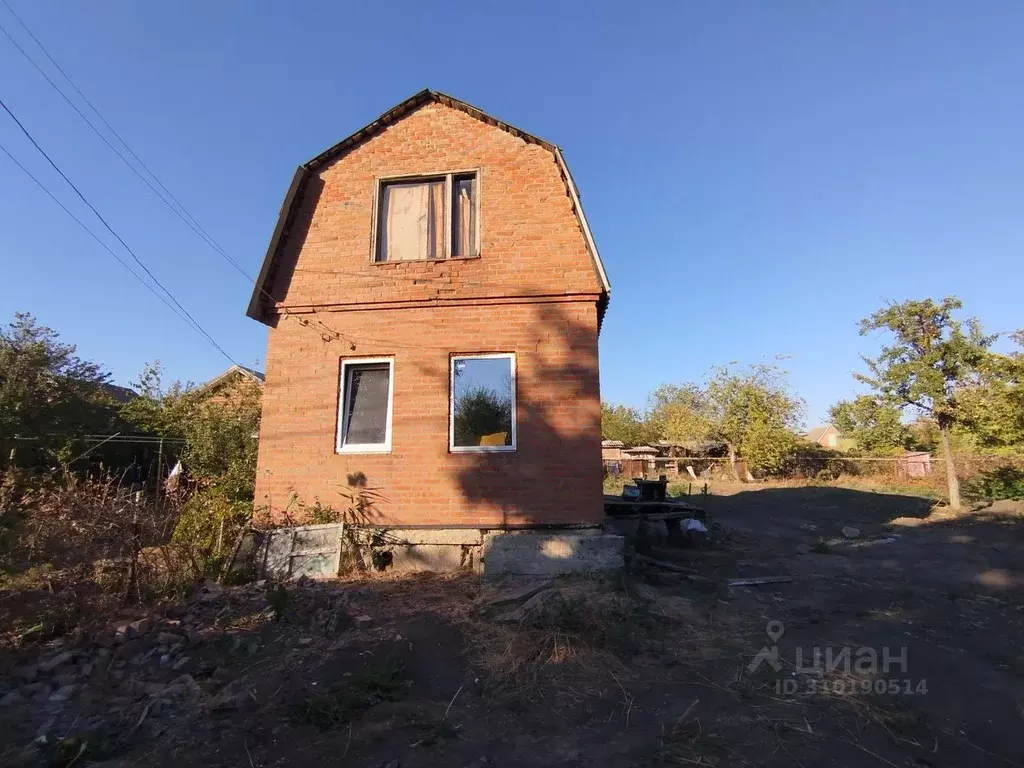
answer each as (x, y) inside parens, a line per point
(261, 295)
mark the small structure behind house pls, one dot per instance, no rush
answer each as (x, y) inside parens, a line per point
(914, 464)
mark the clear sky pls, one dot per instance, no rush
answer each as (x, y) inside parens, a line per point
(758, 175)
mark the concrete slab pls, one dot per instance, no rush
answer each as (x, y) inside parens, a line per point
(431, 557)
(550, 553)
(467, 536)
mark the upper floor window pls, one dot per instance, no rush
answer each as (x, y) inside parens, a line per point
(427, 218)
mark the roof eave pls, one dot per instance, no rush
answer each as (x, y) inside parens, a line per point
(256, 301)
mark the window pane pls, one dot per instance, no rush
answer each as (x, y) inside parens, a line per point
(464, 216)
(366, 404)
(482, 401)
(411, 222)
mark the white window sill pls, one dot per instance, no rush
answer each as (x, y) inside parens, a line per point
(483, 449)
(363, 449)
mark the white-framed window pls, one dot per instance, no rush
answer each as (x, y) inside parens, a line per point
(482, 413)
(428, 217)
(365, 402)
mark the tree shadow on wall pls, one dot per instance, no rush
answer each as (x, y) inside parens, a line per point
(553, 476)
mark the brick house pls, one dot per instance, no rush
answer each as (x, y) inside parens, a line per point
(237, 383)
(434, 297)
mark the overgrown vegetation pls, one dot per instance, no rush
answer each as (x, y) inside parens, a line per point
(99, 517)
(1006, 482)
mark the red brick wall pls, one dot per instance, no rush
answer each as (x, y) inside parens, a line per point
(533, 291)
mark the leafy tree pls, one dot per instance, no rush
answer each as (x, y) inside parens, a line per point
(679, 413)
(924, 434)
(621, 422)
(481, 411)
(221, 438)
(755, 414)
(874, 424)
(47, 392)
(994, 408)
(159, 410)
(933, 360)
(750, 410)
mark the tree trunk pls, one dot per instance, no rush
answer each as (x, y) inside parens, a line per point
(951, 478)
(732, 462)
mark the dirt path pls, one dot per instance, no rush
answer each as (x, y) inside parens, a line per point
(646, 669)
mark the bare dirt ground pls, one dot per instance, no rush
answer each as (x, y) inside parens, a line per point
(648, 668)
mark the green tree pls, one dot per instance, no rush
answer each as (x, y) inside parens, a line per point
(934, 359)
(621, 422)
(994, 408)
(158, 409)
(755, 414)
(874, 424)
(221, 438)
(750, 410)
(924, 434)
(47, 392)
(481, 411)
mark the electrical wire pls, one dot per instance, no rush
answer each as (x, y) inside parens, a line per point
(112, 231)
(177, 207)
(95, 237)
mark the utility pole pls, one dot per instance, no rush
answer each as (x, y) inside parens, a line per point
(159, 466)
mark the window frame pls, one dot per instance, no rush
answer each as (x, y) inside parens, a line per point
(340, 446)
(449, 178)
(452, 448)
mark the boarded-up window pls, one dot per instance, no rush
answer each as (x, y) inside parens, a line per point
(364, 420)
(430, 218)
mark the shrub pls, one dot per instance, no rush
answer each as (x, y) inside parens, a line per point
(90, 529)
(1005, 482)
(210, 523)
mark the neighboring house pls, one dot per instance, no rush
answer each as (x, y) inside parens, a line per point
(611, 450)
(434, 298)
(119, 394)
(234, 383)
(826, 436)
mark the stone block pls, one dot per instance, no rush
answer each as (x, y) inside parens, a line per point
(550, 553)
(428, 557)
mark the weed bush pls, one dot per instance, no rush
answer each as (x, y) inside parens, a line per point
(375, 683)
(1005, 482)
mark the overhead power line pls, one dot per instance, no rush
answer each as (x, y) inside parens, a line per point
(94, 236)
(166, 196)
(169, 200)
(112, 231)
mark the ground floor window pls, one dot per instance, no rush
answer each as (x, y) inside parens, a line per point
(365, 405)
(483, 403)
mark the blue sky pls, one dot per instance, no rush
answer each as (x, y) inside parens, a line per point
(758, 176)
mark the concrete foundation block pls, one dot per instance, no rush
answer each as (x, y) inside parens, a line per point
(550, 553)
(433, 557)
(406, 536)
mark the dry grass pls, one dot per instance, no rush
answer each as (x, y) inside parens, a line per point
(574, 645)
(377, 682)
